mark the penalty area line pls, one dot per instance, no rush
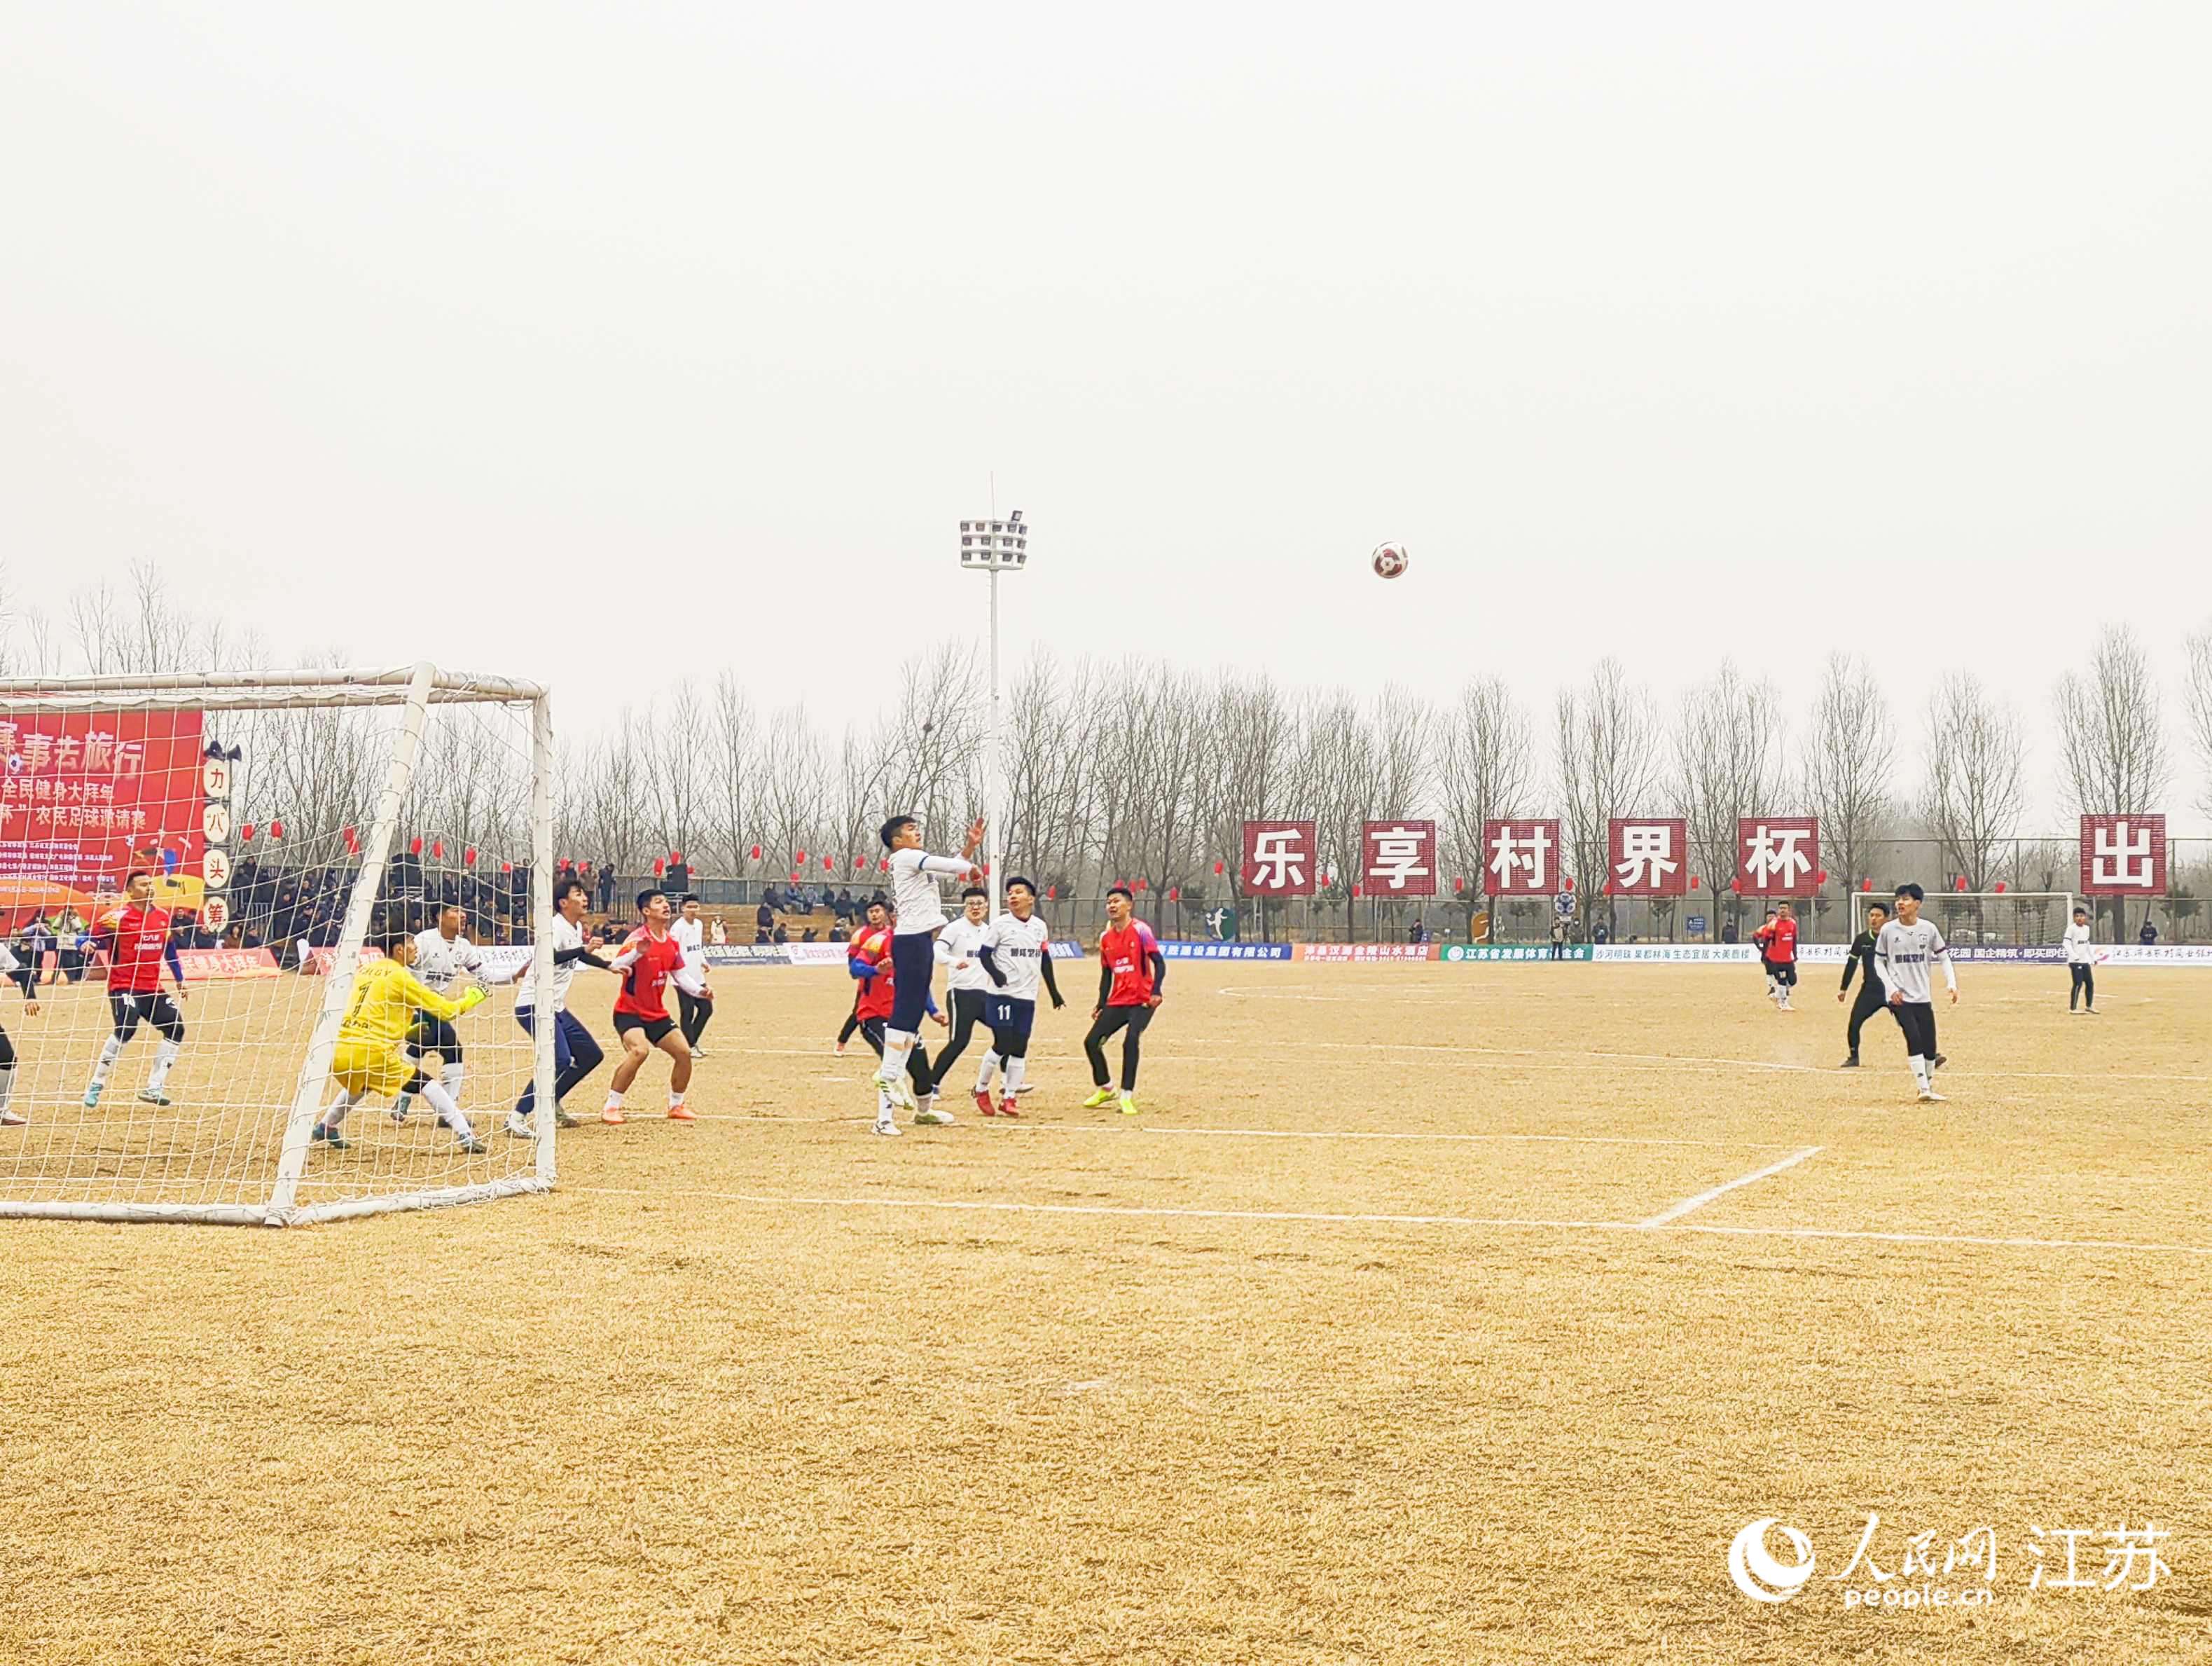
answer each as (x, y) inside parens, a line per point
(1727, 1186)
(991, 1205)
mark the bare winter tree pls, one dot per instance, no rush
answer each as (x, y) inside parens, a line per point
(2199, 645)
(1053, 717)
(1976, 789)
(2112, 732)
(732, 741)
(677, 757)
(1258, 730)
(1334, 756)
(1608, 761)
(1849, 758)
(147, 631)
(1485, 771)
(1728, 765)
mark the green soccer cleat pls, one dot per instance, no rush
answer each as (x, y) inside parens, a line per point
(331, 1137)
(1099, 1099)
(92, 1097)
(152, 1096)
(1128, 1104)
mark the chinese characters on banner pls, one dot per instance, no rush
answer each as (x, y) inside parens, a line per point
(86, 795)
(1647, 856)
(1278, 859)
(1777, 855)
(1520, 858)
(1399, 859)
(2123, 855)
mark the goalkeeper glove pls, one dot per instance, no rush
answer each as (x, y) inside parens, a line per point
(473, 997)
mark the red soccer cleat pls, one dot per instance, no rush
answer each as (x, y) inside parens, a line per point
(983, 1102)
(1008, 1107)
(682, 1114)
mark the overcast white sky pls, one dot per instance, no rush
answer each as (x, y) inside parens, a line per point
(568, 339)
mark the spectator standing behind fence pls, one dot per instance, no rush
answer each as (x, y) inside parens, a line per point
(606, 884)
(764, 919)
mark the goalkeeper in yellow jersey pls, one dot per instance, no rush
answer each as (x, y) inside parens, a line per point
(368, 1058)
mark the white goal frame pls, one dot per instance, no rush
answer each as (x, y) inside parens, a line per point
(1990, 902)
(415, 689)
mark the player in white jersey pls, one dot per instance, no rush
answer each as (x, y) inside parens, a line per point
(917, 913)
(1902, 955)
(2080, 963)
(960, 951)
(576, 1054)
(1017, 955)
(695, 1002)
(444, 959)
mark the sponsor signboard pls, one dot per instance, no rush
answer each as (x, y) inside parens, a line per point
(1512, 952)
(1180, 949)
(200, 964)
(1366, 951)
(758, 954)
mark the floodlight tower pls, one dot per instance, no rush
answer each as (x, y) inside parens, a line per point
(994, 547)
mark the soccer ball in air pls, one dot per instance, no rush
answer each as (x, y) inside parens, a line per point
(1389, 560)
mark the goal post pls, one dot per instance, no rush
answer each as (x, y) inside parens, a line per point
(2018, 919)
(195, 868)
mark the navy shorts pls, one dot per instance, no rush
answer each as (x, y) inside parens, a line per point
(914, 962)
(1007, 1015)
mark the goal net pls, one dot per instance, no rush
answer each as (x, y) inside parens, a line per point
(196, 874)
(1986, 919)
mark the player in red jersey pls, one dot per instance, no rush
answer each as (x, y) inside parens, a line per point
(1782, 955)
(1131, 972)
(649, 962)
(135, 939)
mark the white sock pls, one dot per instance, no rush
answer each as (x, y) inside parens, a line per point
(336, 1114)
(1017, 1068)
(443, 1101)
(985, 1071)
(898, 1048)
(7, 1085)
(109, 1053)
(164, 1056)
(883, 1103)
(675, 1099)
(614, 1100)
(1770, 988)
(1920, 1073)
(453, 1075)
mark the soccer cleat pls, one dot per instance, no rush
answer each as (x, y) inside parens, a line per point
(698, 1052)
(1127, 1104)
(330, 1137)
(1850, 1063)
(896, 1090)
(682, 1114)
(612, 1115)
(92, 1095)
(562, 1119)
(152, 1096)
(472, 1145)
(518, 1125)
(14, 1119)
(887, 1128)
(400, 1107)
(1929, 1096)
(1937, 1063)
(1100, 1099)
(983, 1102)
(1007, 1107)
(934, 1115)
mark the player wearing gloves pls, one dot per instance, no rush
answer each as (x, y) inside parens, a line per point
(369, 1059)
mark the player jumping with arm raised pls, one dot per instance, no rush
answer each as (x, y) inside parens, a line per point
(917, 913)
(1015, 954)
(1902, 954)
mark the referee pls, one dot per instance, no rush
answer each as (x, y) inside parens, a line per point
(1860, 960)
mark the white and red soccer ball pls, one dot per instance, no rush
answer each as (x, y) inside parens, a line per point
(1389, 560)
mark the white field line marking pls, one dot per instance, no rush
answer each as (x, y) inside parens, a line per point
(994, 1206)
(1727, 1186)
(1025, 1125)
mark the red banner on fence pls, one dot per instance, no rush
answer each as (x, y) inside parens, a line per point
(1647, 856)
(2123, 855)
(201, 965)
(86, 796)
(1278, 859)
(1520, 858)
(1777, 855)
(1399, 859)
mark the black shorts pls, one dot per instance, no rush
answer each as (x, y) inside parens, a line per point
(1784, 972)
(130, 1011)
(656, 1030)
(431, 1034)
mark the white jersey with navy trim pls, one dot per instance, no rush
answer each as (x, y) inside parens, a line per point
(1902, 953)
(1018, 949)
(441, 962)
(914, 874)
(565, 934)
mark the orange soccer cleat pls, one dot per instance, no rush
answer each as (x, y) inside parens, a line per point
(612, 1116)
(682, 1114)
(1008, 1107)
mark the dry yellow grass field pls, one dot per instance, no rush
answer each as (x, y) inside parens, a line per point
(1354, 1346)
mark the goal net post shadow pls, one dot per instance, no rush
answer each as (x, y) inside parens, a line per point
(279, 821)
(2024, 918)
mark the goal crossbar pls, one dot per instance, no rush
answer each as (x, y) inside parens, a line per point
(261, 691)
(1990, 906)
